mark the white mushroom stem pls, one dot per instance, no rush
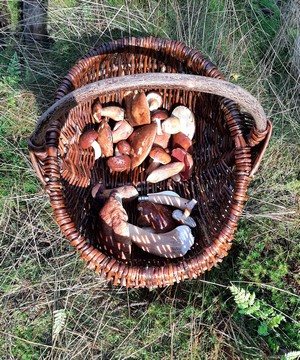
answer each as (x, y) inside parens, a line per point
(178, 215)
(171, 200)
(189, 208)
(113, 112)
(97, 149)
(165, 171)
(172, 244)
(159, 128)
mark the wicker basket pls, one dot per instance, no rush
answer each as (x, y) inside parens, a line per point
(228, 147)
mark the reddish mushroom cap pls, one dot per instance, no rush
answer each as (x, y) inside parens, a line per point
(119, 163)
(141, 142)
(123, 147)
(183, 141)
(183, 156)
(87, 138)
(160, 155)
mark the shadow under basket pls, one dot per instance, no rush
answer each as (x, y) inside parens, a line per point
(231, 136)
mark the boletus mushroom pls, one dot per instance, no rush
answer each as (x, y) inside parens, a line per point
(159, 217)
(114, 228)
(121, 131)
(137, 109)
(88, 139)
(126, 192)
(159, 156)
(182, 141)
(141, 141)
(113, 112)
(172, 244)
(165, 171)
(158, 116)
(105, 139)
(154, 100)
(187, 120)
(119, 163)
(183, 156)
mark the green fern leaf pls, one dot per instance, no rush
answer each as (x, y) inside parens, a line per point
(274, 321)
(293, 355)
(59, 320)
(263, 329)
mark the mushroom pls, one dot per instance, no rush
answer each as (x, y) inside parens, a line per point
(119, 163)
(117, 234)
(172, 199)
(164, 172)
(172, 244)
(141, 141)
(183, 156)
(113, 112)
(154, 100)
(158, 116)
(178, 215)
(137, 108)
(171, 125)
(187, 120)
(123, 148)
(158, 216)
(105, 139)
(162, 140)
(121, 131)
(114, 228)
(159, 156)
(126, 192)
(182, 141)
(88, 139)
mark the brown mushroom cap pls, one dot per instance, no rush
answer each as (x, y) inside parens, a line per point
(183, 141)
(119, 163)
(141, 142)
(87, 138)
(123, 147)
(158, 216)
(105, 139)
(121, 131)
(183, 156)
(137, 109)
(162, 140)
(160, 114)
(114, 230)
(160, 155)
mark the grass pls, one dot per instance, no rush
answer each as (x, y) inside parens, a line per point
(52, 307)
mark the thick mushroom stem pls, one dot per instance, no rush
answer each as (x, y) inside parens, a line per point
(97, 149)
(178, 215)
(189, 207)
(171, 200)
(126, 192)
(172, 244)
(164, 172)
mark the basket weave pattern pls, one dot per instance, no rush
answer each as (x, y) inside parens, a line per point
(227, 148)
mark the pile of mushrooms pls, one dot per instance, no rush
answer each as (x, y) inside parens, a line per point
(143, 129)
(128, 136)
(164, 223)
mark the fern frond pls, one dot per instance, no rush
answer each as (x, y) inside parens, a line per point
(293, 355)
(59, 320)
(243, 298)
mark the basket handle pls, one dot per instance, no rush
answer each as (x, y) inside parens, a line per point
(148, 81)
